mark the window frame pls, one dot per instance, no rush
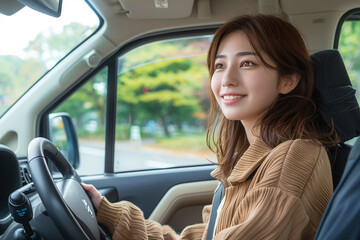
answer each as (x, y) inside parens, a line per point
(340, 24)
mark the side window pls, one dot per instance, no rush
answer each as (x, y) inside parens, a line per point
(349, 44)
(163, 99)
(87, 110)
(349, 47)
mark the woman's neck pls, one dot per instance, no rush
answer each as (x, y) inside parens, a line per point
(250, 131)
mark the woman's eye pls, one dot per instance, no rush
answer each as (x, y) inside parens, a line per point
(247, 64)
(219, 66)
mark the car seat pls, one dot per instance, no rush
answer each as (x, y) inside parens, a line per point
(336, 99)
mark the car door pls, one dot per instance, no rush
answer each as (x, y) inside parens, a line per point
(139, 127)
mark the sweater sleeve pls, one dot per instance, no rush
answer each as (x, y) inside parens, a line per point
(124, 220)
(267, 213)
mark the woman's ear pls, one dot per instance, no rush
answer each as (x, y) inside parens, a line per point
(288, 83)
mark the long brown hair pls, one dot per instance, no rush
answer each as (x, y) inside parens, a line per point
(293, 115)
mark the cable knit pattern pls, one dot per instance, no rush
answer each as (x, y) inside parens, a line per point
(284, 199)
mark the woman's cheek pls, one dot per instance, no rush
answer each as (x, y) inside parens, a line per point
(214, 85)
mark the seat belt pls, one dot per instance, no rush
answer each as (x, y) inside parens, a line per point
(218, 195)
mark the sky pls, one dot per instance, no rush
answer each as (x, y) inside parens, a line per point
(17, 30)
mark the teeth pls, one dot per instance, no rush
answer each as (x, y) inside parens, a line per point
(230, 97)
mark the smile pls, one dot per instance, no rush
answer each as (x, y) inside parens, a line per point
(230, 99)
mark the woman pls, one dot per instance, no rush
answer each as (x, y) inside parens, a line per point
(269, 138)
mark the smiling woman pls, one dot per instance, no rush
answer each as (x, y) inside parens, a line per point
(33, 43)
(271, 177)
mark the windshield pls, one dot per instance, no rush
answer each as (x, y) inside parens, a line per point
(31, 43)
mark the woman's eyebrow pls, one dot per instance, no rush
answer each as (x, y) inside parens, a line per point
(243, 53)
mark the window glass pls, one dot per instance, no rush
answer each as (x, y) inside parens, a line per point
(163, 98)
(349, 47)
(32, 43)
(87, 108)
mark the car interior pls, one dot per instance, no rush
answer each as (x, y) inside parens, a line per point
(85, 115)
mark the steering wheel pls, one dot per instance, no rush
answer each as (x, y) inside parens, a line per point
(65, 201)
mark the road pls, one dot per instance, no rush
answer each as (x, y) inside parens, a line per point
(133, 156)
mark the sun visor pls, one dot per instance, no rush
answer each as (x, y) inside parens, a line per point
(157, 9)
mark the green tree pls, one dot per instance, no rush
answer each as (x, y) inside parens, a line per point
(165, 81)
(89, 99)
(163, 91)
(350, 51)
(52, 45)
(17, 75)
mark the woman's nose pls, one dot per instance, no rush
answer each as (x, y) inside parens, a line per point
(230, 77)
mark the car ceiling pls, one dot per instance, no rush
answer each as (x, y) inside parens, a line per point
(127, 19)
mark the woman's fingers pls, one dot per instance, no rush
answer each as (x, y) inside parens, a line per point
(93, 193)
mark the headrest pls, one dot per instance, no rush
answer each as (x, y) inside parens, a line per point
(335, 94)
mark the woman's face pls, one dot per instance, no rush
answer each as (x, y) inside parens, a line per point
(243, 87)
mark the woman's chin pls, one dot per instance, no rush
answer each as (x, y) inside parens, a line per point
(232, 117)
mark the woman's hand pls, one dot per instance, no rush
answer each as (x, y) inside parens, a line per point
(93, 193)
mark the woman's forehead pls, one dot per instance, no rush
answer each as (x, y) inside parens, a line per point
(236, 39)
(238, 42)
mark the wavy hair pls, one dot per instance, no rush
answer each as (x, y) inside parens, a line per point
(293, 115)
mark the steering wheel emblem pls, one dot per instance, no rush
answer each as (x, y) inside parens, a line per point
(87, 207)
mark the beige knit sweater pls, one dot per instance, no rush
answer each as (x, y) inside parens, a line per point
(285, 199)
